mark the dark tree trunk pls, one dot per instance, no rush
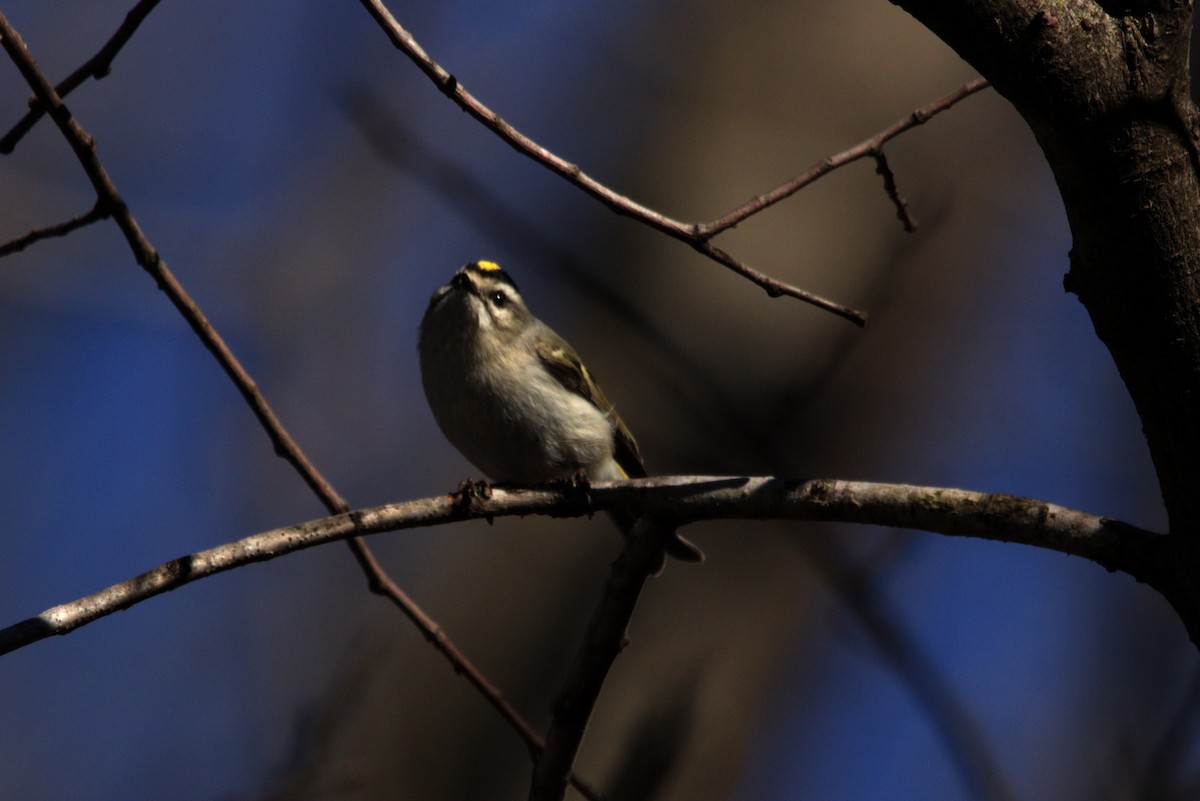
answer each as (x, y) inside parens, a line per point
(1105, 90)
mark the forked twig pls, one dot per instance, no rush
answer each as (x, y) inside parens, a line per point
(97, 66)
(687, 233)
(696, 235)
(872, 147)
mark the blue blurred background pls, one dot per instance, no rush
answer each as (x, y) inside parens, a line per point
(311, 188)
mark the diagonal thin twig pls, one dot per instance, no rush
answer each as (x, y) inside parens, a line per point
(148, 258)
(97, 67)
(687, 233)
(379, 582)
(98, 212)
(602, 642)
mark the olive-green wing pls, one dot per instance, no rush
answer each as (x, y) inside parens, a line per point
(565, 365)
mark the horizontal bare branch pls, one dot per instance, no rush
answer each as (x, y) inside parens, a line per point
(1006, 518)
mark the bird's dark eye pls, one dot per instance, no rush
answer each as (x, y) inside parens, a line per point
(498, 299)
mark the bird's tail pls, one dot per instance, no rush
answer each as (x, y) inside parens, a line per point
(675, 546)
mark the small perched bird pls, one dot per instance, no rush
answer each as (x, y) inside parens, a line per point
(514, 397)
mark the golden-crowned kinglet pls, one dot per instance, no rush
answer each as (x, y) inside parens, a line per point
(513, 396)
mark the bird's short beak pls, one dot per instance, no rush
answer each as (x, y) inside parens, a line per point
(462, 281)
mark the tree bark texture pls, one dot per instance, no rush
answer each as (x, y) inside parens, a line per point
(1105, 89)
